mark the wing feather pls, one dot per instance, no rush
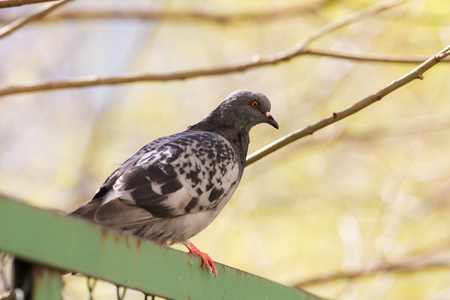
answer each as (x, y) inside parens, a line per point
(181, 174)
(116, 214)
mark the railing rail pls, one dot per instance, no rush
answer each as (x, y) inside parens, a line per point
(52, 242)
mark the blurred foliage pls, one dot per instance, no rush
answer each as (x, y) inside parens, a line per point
(369, 190)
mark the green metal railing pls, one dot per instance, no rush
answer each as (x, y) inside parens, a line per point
(52, 242)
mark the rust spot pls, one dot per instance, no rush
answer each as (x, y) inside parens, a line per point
(38, 271)
(127, 241)
(165, 266)
(104, 237)
(239, 273)
(117, 237)
(190, 263)
(138, 243)
(104, 232)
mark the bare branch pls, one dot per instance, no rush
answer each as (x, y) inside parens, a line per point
(255, 62)
(87, 81)
(37, 14)
(151, 15)
(411, 265)
(374, 9)
(367, 57)
(13, 3)
(417, 73)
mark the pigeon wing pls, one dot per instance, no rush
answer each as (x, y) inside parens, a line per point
(186, 173)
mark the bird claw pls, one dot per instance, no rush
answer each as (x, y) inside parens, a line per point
(209, 263)
(207, 260)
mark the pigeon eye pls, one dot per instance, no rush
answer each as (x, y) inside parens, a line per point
(255, 104)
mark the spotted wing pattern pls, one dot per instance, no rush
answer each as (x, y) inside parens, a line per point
(187, 173)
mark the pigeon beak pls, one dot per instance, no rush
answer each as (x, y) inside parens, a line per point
(271, 120)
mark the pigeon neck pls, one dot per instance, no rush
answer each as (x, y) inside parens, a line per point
(238, 137)
(240, 142)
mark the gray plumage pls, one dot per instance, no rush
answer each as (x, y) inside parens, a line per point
(176, 185)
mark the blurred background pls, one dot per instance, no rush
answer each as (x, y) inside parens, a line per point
(358, 210)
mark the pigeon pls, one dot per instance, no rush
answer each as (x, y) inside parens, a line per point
(175, 186)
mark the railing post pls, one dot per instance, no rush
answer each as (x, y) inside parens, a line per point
(23, 279)
(46, 283)
(36, 282)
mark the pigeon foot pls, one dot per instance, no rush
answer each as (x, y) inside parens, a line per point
(207, 260)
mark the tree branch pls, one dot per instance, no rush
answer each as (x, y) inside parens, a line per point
(13, 3)
(367, 57)
(417, 73)
(255, 62)
(37, 14)
(217, 18)
(411, 265)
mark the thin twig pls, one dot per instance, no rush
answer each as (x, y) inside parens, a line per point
(183, 16)
(367, 57)
(374, 9)
(255, 62)
(13, 3)
(417, 73)
(36, 15)
(411, 265)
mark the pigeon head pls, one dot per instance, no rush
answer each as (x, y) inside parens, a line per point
(242, 110)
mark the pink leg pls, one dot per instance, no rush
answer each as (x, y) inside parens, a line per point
(209, 263)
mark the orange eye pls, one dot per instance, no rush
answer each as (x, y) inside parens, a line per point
(255, 104)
